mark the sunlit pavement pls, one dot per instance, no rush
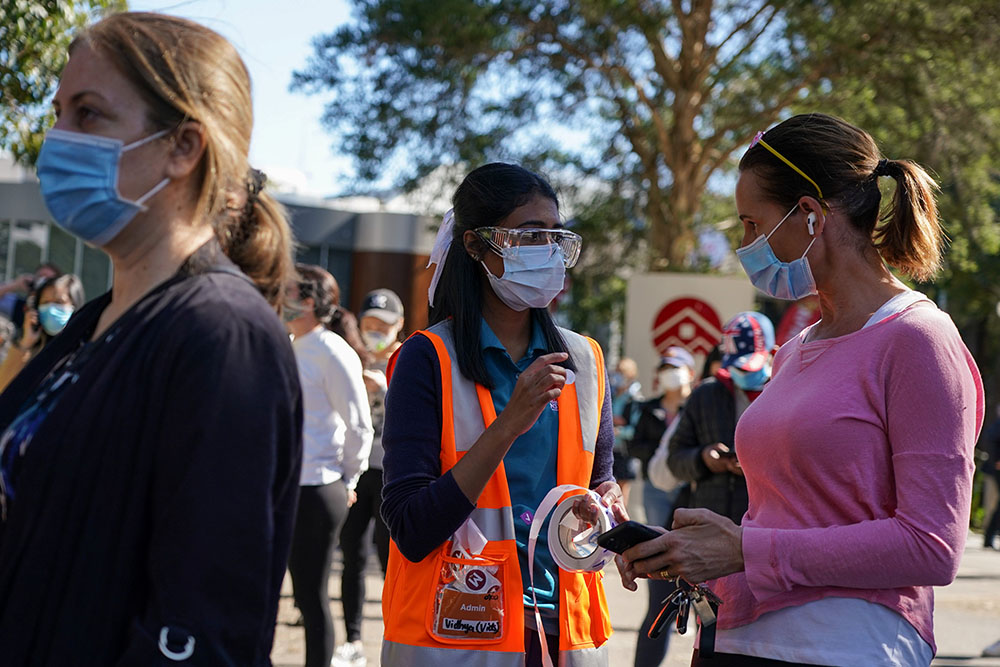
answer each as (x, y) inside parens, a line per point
(966, 616)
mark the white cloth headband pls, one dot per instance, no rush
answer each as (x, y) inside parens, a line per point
(440, 252)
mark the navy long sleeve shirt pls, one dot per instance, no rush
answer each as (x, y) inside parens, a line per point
(422, 507)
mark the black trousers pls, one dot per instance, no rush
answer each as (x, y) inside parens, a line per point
(352, 543)
(322, 510)
(533, 647)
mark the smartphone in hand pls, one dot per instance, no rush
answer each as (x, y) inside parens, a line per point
(626, 535)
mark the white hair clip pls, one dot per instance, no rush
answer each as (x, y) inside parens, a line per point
(440, 251)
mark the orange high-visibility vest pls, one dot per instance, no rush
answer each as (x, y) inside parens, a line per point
(410, 588)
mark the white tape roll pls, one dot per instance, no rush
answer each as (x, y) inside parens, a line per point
(573, 542)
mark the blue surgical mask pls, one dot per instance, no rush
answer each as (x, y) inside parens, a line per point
(54, 316)
(751, 381)
(782, 280)
(78, 174)
(292, 310)
(532, 279)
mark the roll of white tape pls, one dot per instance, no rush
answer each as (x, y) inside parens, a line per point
(573, 541)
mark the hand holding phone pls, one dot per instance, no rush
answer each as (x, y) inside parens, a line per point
(626, 535)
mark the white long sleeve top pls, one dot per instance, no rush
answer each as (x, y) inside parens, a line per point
(337, 429)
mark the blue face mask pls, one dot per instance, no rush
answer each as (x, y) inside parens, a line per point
(54, 316)
(751, 381)
(782, 280)
(78, 174)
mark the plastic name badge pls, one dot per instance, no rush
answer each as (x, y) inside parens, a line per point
(469, 601)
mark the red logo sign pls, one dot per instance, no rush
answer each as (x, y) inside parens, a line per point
(687, 322)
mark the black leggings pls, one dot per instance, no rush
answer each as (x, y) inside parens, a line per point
(321, 512)
(352, 544)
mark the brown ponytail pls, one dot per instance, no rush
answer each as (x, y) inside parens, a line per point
(846, 163)
(259, 241)
(909, 234)
(186, 71)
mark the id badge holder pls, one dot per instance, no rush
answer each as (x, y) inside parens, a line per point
(468, 602)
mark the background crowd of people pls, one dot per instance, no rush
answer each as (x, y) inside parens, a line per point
(195, 446)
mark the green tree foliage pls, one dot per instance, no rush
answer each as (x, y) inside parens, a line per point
(937, 102)
(664, 92)
(34, 38)
(657, 97)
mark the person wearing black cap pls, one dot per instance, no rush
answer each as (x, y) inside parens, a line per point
(380, 321)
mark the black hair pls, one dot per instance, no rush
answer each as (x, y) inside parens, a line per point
(316, 283)
(486, 196)
(713, 356)
(345, 324)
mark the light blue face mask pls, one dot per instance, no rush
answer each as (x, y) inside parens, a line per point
(751, 380)
(54, 316)
(782, 280)
(78, 174)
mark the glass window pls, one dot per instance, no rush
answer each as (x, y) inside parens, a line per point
(338, 263)
(30, 241)
(62, 249)
(4, 245)
(95, 272)
(308, 255)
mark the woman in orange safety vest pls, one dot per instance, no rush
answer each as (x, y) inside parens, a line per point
(487, 410)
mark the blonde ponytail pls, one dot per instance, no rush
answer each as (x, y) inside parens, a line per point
(909, 235)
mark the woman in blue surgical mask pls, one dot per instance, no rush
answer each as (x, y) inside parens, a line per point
(487, 410)
(150, 453)
(46, 312)
(858, 452)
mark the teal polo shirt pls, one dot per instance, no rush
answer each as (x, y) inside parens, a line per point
(530, 465)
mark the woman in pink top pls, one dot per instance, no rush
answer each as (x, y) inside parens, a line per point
(858, 454)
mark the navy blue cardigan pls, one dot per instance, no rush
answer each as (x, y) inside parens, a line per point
(161, 490)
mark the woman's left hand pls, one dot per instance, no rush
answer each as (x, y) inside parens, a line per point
(702, 545)
(612, 498)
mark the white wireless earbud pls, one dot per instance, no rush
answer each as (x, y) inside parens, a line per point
(810, 221)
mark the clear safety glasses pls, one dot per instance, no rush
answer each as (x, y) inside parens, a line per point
(508, 242)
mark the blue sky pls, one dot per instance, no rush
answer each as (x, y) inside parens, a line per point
(274, 39)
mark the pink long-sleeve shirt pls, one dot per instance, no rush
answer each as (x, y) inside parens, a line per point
(858, 460)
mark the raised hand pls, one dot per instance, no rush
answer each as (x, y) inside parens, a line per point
(541, 382)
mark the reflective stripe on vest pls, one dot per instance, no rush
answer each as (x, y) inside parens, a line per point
(394, 653)
(496, 523)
